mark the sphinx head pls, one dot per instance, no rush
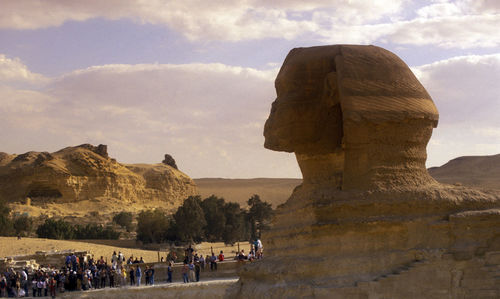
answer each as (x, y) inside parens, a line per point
(355, 116)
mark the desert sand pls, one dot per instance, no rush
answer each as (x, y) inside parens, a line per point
(271, 190)
(11, 246)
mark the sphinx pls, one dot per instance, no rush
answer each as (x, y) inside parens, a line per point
(355, 116)
(368, 220)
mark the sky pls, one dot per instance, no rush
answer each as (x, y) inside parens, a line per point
(195, 78)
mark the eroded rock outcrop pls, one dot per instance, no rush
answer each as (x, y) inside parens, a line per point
(86, 172)
(368, 220)
(169, 160)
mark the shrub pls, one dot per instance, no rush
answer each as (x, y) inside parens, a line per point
(6, 228)
(56, 229)
(213, 209)
(124, 219)
(62, 230)
(190, 220)
(22, 224)
(152, 226)
(95, 231)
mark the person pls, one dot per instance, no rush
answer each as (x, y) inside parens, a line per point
(251, 255)
(138, 274)
(208, 260)
(202, 262)
(114, 260)
(241, 256)
(39, 286)
(112, 278)
(213, 262)
(185, 270)
(34, 287)
(103, 276)
(52, 287)
(259, 250)
(221, 256)
(3, 286)
(146, 274)
(170, 271)
(24, 280)
(189, 252)
(172, 256)
(152, 275)
(123, 281)
(141, 261)
(191, 271)
(197, 269)
(132, 276)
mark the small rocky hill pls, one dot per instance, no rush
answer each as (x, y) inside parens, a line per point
(84, 178)
(475, 171)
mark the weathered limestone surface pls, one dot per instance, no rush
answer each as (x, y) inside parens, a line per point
(86, 172)
(368, 220)
(203, 289)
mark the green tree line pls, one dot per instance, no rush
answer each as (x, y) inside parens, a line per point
(211, 219)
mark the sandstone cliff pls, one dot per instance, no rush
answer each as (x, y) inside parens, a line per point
(85, 173)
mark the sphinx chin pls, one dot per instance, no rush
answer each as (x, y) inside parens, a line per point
(368, 220)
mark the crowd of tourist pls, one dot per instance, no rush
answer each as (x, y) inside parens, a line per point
(81, 273)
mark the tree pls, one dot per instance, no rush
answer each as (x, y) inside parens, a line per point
(95, 231)
(152, 226)
(55, 229)
(259, 215)
(215, 217)
(5, 221)
(234, 228)
(124, 219)
(22, 224)
(190, 220)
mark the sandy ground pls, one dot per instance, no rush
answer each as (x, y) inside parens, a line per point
(273, 191)
(11, 246)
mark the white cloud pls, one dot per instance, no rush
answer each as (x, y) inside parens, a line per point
(467, 95)
(196, 19)
(469, 31)
(439, 10)
(210, 117)
(448, 24)
(13, 71)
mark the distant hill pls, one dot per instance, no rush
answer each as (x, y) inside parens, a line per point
(475, 171)
(274, 191)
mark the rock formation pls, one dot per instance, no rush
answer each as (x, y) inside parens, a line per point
(86, 172)
(169, 160)
(368, 221)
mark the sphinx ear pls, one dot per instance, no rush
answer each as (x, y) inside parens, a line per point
(331, 89)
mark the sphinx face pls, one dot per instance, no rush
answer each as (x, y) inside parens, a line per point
(368, 131)
(306, 115)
